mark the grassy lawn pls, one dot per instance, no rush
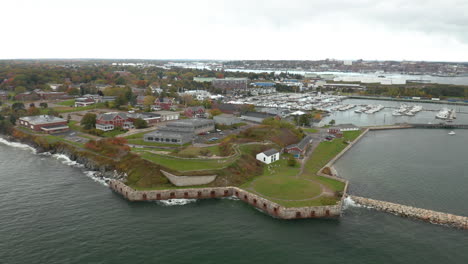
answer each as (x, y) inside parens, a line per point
(112, 133)
(195, 151)
(67, 103)
(324, 152)
(75, 125)
(155, 144)
(310, 130)
(284, 187)
(138, 135)
(351, 135)
(186, 164)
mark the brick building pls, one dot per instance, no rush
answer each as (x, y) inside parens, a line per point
(109, 121)
(44, 123)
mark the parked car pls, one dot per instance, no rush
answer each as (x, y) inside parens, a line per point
(213, 139)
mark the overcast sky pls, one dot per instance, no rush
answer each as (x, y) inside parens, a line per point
(431, 30)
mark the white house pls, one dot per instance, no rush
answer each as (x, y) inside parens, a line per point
(268, 156)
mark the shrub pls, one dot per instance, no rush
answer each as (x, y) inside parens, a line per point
(292, 161)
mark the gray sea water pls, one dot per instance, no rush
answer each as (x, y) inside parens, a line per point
(52, 211)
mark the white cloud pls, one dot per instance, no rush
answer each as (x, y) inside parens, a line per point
(294, 29)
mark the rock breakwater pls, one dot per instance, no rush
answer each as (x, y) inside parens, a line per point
(414, 212)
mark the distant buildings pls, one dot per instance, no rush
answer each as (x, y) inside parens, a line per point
(165, 103)
(342, 128)
(203, 79)
(268, 156)
(110, 121)
(226, 119)
(40, 95)
(3, 95)
(257, 117)
(150, 118)
(195, 111)
(168, 115)
(230, 84)
(180, 132)
(84, 101)
(44, 123)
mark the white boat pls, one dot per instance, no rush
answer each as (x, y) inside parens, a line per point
(451, 133)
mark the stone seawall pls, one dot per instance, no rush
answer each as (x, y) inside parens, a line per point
(261, 203)
(413, 212)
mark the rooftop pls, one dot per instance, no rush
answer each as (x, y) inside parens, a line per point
(270, 152)
(42, 119)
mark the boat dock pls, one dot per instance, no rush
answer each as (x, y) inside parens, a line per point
(441, 125)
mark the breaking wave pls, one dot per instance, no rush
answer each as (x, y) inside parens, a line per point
(18, 145)
(348, 202)
(67, 161)
(95, 176)
(173, 202)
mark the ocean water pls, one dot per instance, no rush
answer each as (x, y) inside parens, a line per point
(53, 211)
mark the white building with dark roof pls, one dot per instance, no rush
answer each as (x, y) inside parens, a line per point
(268, 156)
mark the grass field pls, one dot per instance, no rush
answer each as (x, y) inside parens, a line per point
(286, 187)
(195, 151)
(310, 130)
(179, 164)
(155, 144)
(279, 180)
(68, 109)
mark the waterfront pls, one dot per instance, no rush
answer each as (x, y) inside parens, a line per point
(52, 212)
(455, 80)
(385, 117)
(418, 167)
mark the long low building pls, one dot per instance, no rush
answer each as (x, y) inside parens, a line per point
(180, 132)
(227, 119)
(44, 123)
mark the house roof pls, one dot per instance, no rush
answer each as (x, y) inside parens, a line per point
(302, 144)
(42, 119)
(258, 114)
(110, 116)
(166, 112)
(270, 152)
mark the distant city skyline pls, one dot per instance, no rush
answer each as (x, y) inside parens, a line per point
(236, 30)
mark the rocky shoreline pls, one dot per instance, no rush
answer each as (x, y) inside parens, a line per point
(104, 172)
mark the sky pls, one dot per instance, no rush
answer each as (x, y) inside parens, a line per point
(421, 30)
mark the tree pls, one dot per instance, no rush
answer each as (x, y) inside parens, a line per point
(215, 112)
(140, 123)
(12, 119)
(17, 106)
(304, 120)
(32, 111)
(88, 121)
(20, 89)
(148, 101)
(332, 122)
(52, 112)
(43, 105)
(292, 161)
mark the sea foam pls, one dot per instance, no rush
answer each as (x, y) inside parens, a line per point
(173, 202)
(18, 145)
